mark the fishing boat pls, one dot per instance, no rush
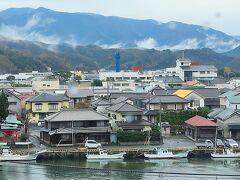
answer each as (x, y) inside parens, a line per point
(103, 155)
(7, 155)
(159, 153)
(226, 153)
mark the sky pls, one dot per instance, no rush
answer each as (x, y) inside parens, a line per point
(218, 14)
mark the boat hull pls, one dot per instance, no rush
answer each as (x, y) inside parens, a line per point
(165, 156)
(106, 156)
(225, 155)
(18, 158)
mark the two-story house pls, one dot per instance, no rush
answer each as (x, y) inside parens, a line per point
(166, 102)
(45, 104)
(126, 116)
(77, 96)
(74, 126)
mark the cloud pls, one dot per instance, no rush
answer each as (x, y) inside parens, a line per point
(27, 32)
(212, 42)
(220, 45)
(191, 43)
(113, 46)
(147, 43)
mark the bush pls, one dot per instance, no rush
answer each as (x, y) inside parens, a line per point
(179, 117)
(138, 136)
(23, 137)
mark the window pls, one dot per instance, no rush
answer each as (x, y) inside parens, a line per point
(202, 72)
(44, 84)
(48, 85)
(38, 107)
(125, 84)
(114, 116)
(53, 106)
(208, 72)
(12, 103)
(117, 84)
(182, 63)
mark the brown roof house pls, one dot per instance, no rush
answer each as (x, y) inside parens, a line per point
(199, 127)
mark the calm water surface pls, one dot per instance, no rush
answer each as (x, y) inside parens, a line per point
(74, 169)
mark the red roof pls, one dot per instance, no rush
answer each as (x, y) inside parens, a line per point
(199, 121)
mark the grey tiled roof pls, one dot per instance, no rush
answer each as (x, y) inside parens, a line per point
(76, 115)
(48, 97)
(124, 107)
(78, 93)
(207, 92)
(159, 92)
(133, 95)
(166, 99)
(120, 99)
(100, 102)
(169, 79)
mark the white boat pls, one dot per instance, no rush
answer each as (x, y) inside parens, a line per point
(7, 155)
(226, 153)
(159, 153)
(104, 155)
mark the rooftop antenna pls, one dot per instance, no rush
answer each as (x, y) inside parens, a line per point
(183, 54)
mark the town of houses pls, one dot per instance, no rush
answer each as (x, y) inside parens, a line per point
(70, 113)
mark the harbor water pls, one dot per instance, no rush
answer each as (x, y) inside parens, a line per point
(121, 169)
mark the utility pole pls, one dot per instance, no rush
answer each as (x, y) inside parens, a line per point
(160, 122)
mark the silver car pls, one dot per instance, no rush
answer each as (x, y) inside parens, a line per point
(231, 143)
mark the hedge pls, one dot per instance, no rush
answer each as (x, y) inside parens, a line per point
(137, 136)
(179, 117)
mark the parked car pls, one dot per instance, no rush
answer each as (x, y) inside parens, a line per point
(219, 143)
(92, 144)
(205, 144)
(231, 143)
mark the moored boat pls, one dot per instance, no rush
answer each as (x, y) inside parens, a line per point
(159, 153)
(226, 153)
(103, 155)
(7, 155)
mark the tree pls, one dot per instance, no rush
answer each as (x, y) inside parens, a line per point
(11, 78)
(227, 71)
(78, 78)
(97, 82)
(3, 106)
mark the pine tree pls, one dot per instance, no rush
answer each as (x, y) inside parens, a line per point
(3, 106)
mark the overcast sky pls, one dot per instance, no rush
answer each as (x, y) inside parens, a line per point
(218, 14)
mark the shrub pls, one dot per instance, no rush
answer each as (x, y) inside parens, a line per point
(138, 136)
(23, 137)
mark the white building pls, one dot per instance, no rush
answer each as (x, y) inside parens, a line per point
(184, 69)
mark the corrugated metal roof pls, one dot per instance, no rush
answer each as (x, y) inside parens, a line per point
(234, 99)
(230, 93)
(225, 114)
(182, 93)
